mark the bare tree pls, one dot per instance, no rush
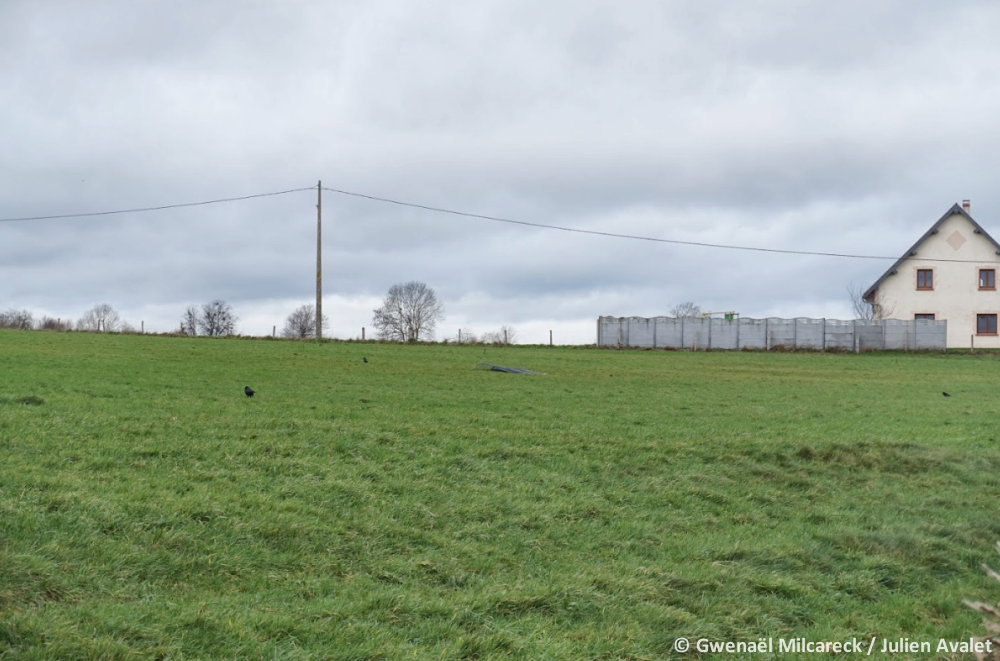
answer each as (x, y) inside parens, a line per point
(875, 307)
(686, 309)
(100, 318)
(189, 322)
(48, 323)
(467, 336)
(509, 334)
(861, 308)
(301, 323)
(17, 319)
(501, 338)
(217, 319)
(409, 313)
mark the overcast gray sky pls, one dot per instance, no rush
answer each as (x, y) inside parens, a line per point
(845, 127)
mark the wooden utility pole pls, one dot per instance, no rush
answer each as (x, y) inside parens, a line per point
(319, 260)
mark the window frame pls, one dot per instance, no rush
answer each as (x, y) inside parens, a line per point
(987, 316)
(930, 275)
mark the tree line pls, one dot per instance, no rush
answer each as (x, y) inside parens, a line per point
(100, 318)
(410, 312)
(215, 319)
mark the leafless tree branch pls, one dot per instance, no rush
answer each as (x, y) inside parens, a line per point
(409, 313)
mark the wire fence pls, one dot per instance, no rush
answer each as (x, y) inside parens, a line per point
(735, 333)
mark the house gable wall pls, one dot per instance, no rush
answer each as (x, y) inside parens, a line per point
(956, 295)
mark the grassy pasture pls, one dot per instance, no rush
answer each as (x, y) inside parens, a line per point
(416, 508)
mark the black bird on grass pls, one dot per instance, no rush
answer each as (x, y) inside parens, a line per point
(248, 390)
(364, 358)
(946, 394)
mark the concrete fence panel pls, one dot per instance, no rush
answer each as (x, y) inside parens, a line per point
(753, 334)
(707, 333)
(839, 335)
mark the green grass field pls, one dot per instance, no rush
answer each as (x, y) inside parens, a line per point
(417, 508)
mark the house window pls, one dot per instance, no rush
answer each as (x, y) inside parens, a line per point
(986, 324)
(923, 317)
(987, 279)
(925, 279)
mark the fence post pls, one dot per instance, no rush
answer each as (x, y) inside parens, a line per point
(682, 332)
(854, 336)
(598, 336)
(363, 333)
(709, 346)
(883, 334)
(767, 336)
(795, 333)
(654, 332)
(824, 333)
(738, 324)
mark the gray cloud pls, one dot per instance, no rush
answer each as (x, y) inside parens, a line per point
(844, 127)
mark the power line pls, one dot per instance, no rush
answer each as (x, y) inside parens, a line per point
(498, 219)
(616, 235)
(160, 208)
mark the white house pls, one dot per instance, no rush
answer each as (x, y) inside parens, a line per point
(949, 273)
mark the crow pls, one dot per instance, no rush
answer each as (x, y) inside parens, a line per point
(364, 358)
(946, 394)
(248, 390)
